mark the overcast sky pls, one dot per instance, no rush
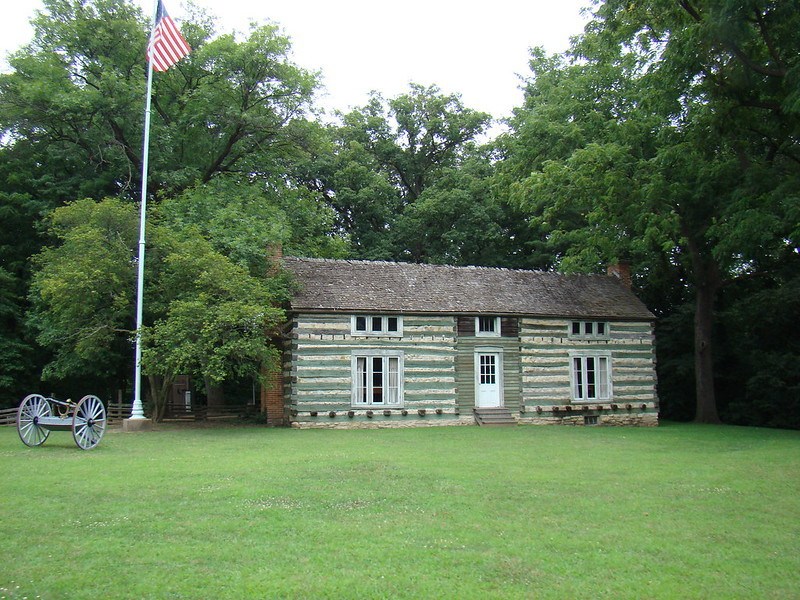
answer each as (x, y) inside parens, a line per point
(478, 49)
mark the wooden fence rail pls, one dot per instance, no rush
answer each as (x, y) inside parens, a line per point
(8, 416)
(116, 411)
(181, 412)
(175, 412)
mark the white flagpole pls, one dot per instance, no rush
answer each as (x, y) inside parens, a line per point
(137, 412)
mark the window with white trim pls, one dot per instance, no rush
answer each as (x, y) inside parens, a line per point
(487, 326)
(378, 325)
(377, 378)
(591, 376)
(589, 329)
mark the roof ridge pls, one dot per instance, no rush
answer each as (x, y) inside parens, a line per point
(359, 261)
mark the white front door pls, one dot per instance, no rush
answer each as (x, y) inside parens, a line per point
(487, 380)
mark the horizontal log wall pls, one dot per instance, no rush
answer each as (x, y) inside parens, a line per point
(545, 347)
(439, 384)
(465, 370)
(318, 373)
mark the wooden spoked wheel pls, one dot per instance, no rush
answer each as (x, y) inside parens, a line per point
(89, 422)
(32, 409)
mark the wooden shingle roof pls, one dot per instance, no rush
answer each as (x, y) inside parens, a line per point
(388, 287)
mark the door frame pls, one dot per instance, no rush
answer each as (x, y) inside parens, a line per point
(498, 353)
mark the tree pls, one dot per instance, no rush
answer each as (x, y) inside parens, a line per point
(216, 322)
(71, 121)
(385, 155)
(73, 103)
(206, 315)
(19, 361)
(680, 148)
(213, 294)
(82, 289)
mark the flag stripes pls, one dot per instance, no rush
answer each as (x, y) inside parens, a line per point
(167, 45)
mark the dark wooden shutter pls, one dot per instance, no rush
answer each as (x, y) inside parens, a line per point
(509, 327)
(466, 326)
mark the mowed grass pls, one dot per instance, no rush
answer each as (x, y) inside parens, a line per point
(678, 511)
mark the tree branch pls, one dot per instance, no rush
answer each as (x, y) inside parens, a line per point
(119, 135)
(235, 136)
(768, 42)
(734, 48)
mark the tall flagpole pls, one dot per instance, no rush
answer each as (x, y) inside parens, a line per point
(137, 412)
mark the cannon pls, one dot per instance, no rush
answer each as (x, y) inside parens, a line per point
(38, 416)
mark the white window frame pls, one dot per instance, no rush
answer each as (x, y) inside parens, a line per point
(497, 325)
(582, 335)
(358, 375)
(580, 379)
(370, 331)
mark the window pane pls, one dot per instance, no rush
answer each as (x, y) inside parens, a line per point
(486, 324)
(377, 324)
(361, 323)
(377, 380)
(392, 324)
(577, 375)
(588, 327)
(576, 328)
(361, 379)
(393, 381)
(591, 392)
(601, 328)
(488, 368)
(602, 377)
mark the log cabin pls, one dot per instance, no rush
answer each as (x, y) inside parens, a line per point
(384, 344)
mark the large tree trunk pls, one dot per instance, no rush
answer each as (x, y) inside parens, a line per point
(707, 280)
(706, 409)
(159, 389)
(706, 275)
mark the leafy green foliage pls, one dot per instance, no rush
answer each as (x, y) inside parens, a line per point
(761, 330)
(74, 99)
(19, 362)
(212, 293)
(217, 319)
(71, 118)
(82, 290)
(408, 181)
(663, 139)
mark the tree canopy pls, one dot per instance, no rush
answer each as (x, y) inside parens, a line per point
(667, 136)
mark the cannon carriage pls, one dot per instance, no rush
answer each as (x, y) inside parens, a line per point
(38, 416)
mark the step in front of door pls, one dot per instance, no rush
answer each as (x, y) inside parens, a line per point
(494, 417)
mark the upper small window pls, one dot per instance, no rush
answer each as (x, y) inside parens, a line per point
(487, 326)
(589, 329)
(377, 325)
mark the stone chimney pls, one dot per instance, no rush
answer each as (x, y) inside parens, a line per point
(622, 271)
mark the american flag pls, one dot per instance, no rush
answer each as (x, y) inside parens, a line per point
(167, 45)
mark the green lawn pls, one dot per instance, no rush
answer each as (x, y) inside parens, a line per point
(678, 511)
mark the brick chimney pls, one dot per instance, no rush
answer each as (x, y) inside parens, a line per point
(622, 271)
(272, 400)
(275, 255)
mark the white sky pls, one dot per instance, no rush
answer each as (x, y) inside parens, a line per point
(476, 49)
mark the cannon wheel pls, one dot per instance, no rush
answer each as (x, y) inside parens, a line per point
(88, 422)
(33, 408)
